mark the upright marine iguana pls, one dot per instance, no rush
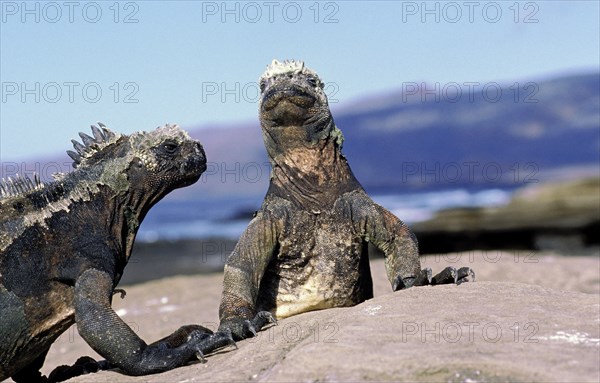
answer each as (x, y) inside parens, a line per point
(64, 244)
(307, 247)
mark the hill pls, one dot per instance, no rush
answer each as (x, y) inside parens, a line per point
(398, 142)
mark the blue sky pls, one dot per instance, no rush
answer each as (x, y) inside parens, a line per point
(140, 64)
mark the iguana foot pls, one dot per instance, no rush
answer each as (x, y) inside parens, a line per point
(83, 365)
(204, 343)
(465, 274)
(262, 319)
(247, 328)
(446, 276)
(197, 338)
(451, 275)
(422, 279)
(31, 373)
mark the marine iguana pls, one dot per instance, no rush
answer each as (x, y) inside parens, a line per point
(64, 245)
(307, 247)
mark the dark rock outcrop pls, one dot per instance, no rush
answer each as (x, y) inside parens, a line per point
(560, 216)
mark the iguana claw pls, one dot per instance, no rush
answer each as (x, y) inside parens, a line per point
(200, 356)
(247, 328)
(422, 279)
(465, 274)
(250, 327)
(206, 343)
(447, 276)
(263, 318)
(120, 291)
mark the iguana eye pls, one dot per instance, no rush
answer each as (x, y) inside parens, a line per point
(312, 81)
(169, 147)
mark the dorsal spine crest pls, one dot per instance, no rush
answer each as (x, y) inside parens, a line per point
(20, 185)
(102, 137)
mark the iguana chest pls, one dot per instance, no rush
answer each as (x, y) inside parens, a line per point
(320, 263)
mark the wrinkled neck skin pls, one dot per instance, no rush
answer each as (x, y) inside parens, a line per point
(126, 208)
(309, 168)
(134, 207)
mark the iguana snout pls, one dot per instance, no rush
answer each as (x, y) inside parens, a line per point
(194, 163)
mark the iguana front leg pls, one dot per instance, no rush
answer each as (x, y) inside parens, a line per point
(110, 337)
(452, 275)
(401, 251)
(398, 245)
(85, 365)
(243, 272)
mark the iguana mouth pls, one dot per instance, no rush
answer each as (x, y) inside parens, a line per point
(193, 166)
(287, 104)
(289, 93)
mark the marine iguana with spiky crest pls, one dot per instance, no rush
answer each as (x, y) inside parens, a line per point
(64, 245)
(307, 247)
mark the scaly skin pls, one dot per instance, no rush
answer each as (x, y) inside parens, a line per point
(307, 247)
(64, 245)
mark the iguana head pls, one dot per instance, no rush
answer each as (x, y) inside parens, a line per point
(303, 143)
(127, 175)
(293, 108)
(168, 155)
(151, 163)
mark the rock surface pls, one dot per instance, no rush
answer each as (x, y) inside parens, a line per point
(497, 329)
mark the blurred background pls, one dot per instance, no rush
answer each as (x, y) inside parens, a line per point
(477, 123)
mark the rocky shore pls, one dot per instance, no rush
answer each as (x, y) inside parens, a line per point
(531, 316)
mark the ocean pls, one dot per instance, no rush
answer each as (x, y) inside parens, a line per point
(228, 217)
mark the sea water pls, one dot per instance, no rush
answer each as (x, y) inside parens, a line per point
(228, 217)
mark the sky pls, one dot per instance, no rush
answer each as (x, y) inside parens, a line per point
(135, 65)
